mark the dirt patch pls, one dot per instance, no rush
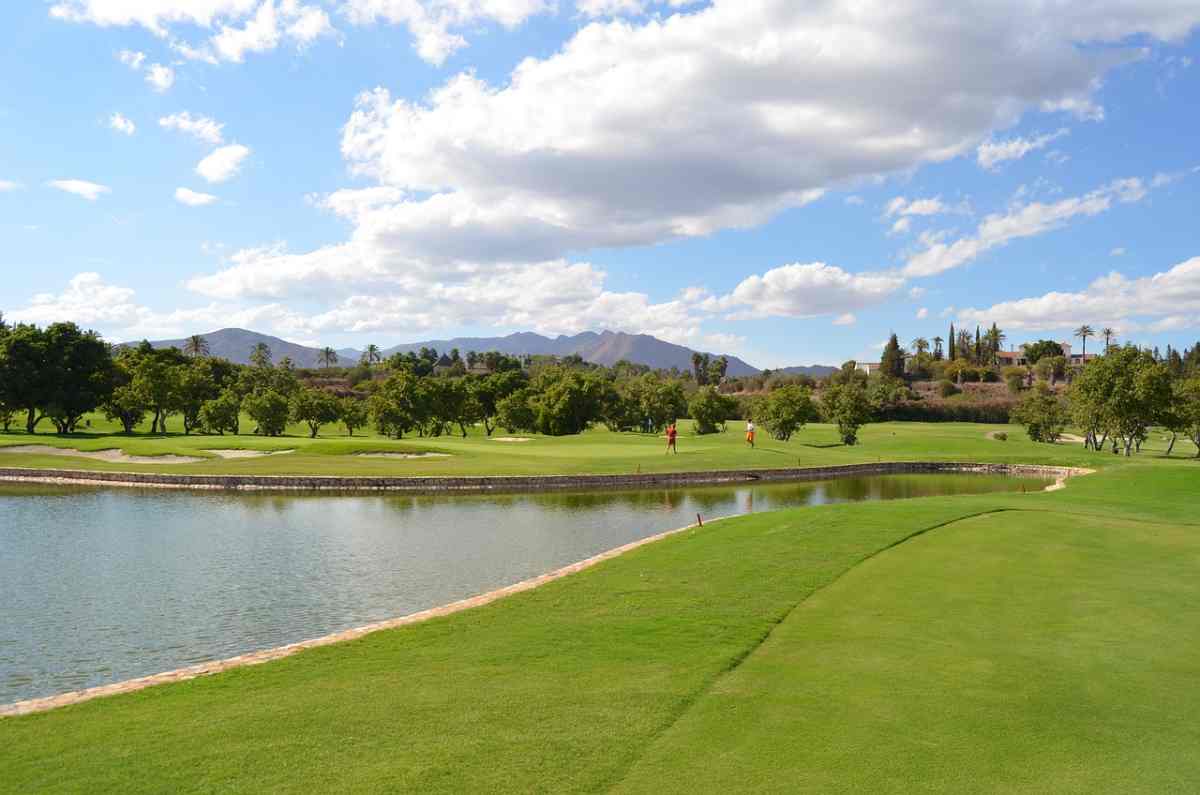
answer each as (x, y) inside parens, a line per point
(110, 456)
(1070, 437)
(511, 439)
(247, 453)
(403, 455)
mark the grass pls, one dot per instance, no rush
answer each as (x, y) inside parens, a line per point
(1041, 642)
(595, 452)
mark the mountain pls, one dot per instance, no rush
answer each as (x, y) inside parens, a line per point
(606, 347)
(235, 344)
(811, 370)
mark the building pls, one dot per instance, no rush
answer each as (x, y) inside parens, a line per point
(1018, 358)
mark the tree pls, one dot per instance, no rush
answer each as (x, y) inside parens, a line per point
(315, 408)
(937, 348)
(1040, 349)
(327, 357)
(78, 374)
(1120, 396)
(717, 369)
(354, 413)
(995, 340)
(920, 345)
(892, 361)
(269, 410)
(372, 355)
(1051, 368)
(260, 355)
(1108, 335)
(566, 401)
(1083, 332)
(196, 386)
(709, 409)
(847, 406)
(952, 342)
(196, 346)
(489, 390)
(514, 413)
(786, 411)
(400, 404)
(1186, 410)
(1043, 414)
(700, 367)
(24, 378)
(222, 414)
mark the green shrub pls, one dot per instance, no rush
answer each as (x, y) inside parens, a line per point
(947, 388)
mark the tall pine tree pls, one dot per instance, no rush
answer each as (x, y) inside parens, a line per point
(892, 363)
(951, 353)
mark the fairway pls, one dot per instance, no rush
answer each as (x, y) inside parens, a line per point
(1037, 642)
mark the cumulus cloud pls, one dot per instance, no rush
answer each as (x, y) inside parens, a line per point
(223, 164)
(922, 313)
(160, 77)
(7, 185)
(991, 154)
(806, 290)
(79, 187)
(1020, 221)
(133, 60)
(1165, 301)
(192, 198)
(201, 128)
(121, 124)
(847, 319)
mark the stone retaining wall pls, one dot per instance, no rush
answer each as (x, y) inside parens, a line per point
(511, 484)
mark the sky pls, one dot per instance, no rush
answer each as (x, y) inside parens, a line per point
(788, 182)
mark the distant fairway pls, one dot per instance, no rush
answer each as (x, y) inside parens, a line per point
(1001, 642)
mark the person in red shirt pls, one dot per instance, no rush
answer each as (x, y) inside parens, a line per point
(671, 434)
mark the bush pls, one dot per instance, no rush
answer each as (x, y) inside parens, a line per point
(786, 411)
(947, 389)
(992, 412)
(269, 409)
(1000, 436)
(710, 410)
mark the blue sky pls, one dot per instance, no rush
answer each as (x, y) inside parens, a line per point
(787, 184)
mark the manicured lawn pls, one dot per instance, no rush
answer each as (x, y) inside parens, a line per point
(597, 451)
(1039, 642)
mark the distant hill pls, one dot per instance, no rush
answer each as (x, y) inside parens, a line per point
(606, 347)
(812, 370)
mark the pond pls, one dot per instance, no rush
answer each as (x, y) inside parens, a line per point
(102, 585)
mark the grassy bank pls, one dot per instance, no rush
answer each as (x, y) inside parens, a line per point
(594, 452)
(1016, 642)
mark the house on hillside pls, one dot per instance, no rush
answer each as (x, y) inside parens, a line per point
(1018, 358)
(444, 365)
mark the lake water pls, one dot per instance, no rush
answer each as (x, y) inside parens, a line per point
(98, 585)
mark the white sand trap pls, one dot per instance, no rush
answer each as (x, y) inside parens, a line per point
(403, 455)
(110, 456)
(511, 439)
(247, 453)
(1070, 437)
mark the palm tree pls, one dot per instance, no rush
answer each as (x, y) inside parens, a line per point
(327, 357)
(260, 355)
(1083, 332)
(1108, 335)
(995, 338)
(196, 346)
(920, 345)
(937, 347)
(372, 355)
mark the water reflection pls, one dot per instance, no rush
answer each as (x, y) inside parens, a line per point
(102, 585)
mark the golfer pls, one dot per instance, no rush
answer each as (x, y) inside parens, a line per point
(671, 434)
(750, 432)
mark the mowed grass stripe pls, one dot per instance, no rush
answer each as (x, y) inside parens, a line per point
(1006, 652)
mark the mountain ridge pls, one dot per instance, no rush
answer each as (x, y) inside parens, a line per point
(603, 347)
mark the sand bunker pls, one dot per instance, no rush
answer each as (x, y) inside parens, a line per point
(403, 455)
(247, 453)
(110, 456)
(511, 439)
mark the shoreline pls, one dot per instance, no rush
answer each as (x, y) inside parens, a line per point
(46, 703)
(509, 483)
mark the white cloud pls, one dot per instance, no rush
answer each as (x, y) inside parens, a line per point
(1081, 106)
(435, 24)
(922, 313)
(854, 200)
(1021, 221)
(121, 124)
(9, 185)
(264, 31)
(991, 154)
(1165, 301)
(929, 206)
(193, 199)
(847, 319)
(1119, 251)
(160, 77)
(201, 128)
(806, 290)
(133, 60)
(223, 164)
(916, 292)
(610, 8)
(901, 226)
(87, 190)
